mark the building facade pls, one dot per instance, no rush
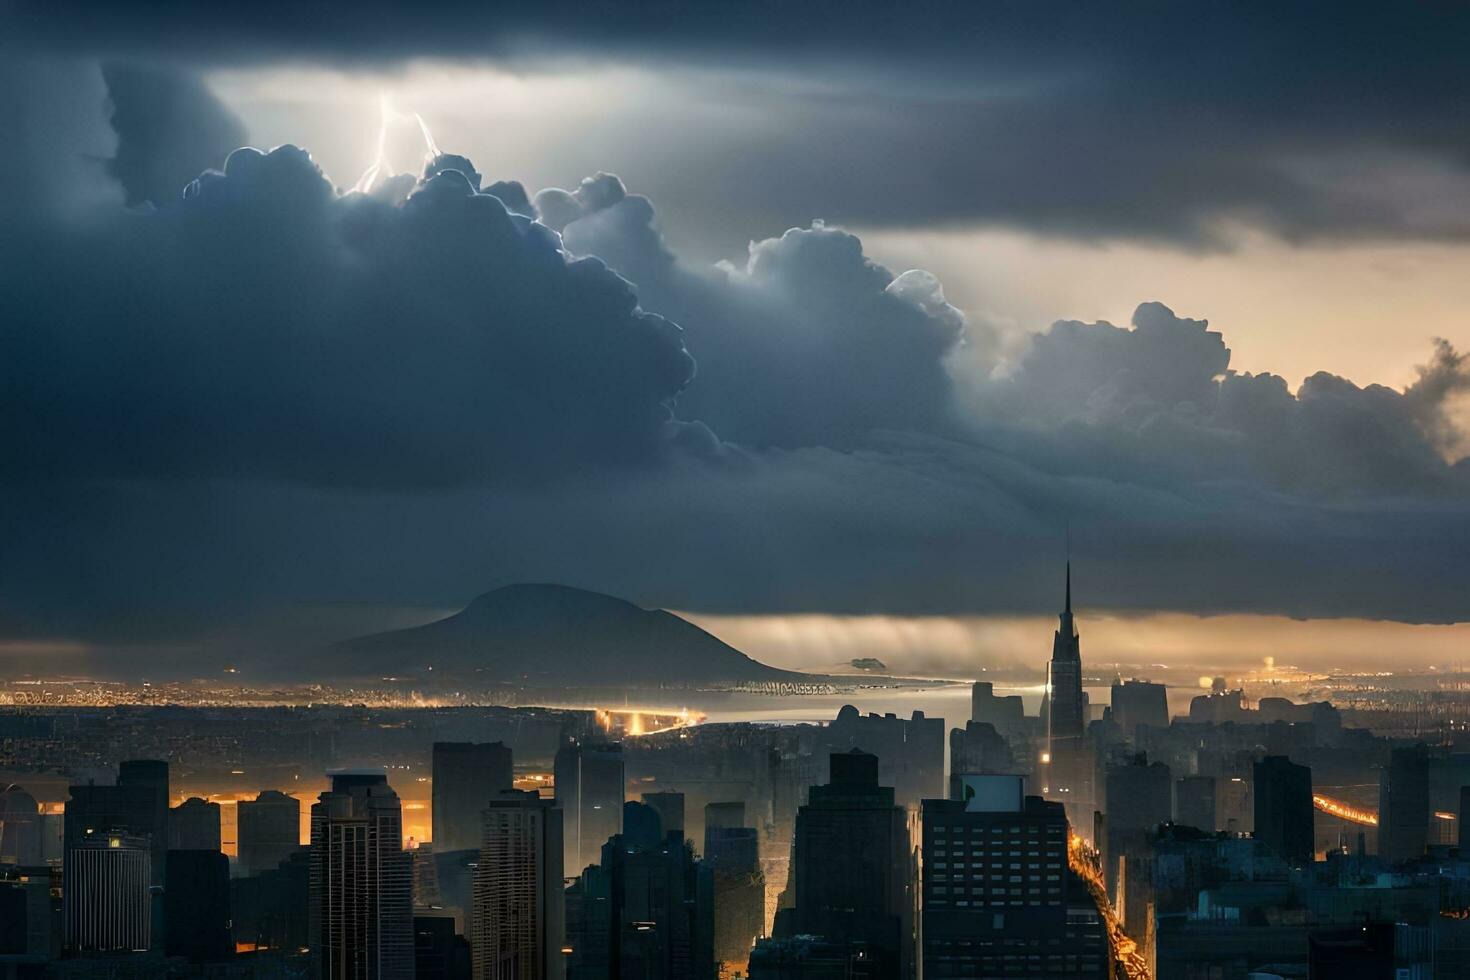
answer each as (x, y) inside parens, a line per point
(360, 917)
(998, 898)
(268, 829)
(466, 775)
(106, 878)
(517, 925)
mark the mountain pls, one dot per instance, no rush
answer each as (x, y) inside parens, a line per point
(554, 635)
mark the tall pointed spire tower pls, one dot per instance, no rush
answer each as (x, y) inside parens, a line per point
(1066, 721)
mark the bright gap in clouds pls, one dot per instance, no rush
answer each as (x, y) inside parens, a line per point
(961, 646)
(1367, 312)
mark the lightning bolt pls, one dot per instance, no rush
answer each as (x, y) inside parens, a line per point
(433, 148)
(380, 167)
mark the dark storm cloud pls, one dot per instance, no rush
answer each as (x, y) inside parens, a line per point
(1153, 120)
(268, 391)
(810, 342)
(170, 126)
(842, 347)
(265, 326)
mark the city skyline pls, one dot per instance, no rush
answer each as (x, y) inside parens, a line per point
(734, 490)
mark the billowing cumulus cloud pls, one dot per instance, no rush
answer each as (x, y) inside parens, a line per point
(268, 390)
(839, 345)
(1159, 402)
(267, 326)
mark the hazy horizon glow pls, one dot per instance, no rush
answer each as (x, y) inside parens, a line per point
(962, 646)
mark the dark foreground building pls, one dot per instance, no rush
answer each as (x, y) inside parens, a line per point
(998, 897)
(852, 865)
(196, 901)
(1283, 809)
(638, 912)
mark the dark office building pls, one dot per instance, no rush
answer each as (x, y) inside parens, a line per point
(642, 825)
(978, 748)
(20, 827)
(131, 806)
(196, 898)
(670, 807)
(1136, 703)
(1140, 796)
(268, 829)
(1005, 713)
(1194, 802)
(637, 914)
(1283, 808)
(466, 774)
(738, 887)
(851, 864)
(590, 784)
(193, 825)
(14, 916)
(269, 910)
(151, 775)
(998, 897)
(910, 750)
(1403, 805)
(591, 912)
(439, 953)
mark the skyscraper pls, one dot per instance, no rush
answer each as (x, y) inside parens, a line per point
(851, 863)
(268, 829)
(1067, 767)
(638, 913)
(1403, 805)
(20, 827)
(466, 774)
(196, 897)
(106, 877)
(1005, 713)
(979, 748)
(137, 806)
(998, 897)
(670, 807)
(152, 775)
(193, 825)
(738, 887)
(589, 788)
(1283, 808)
(1194, 802)
(517, 927)
(361, 912)
(1140, 796)
(1136, 703)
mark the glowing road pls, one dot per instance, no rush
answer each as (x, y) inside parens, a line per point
(1346, 811)
(1129, 962)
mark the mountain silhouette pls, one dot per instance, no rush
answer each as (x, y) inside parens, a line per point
(555, 635)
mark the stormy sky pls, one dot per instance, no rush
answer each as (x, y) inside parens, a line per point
(741, 307)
